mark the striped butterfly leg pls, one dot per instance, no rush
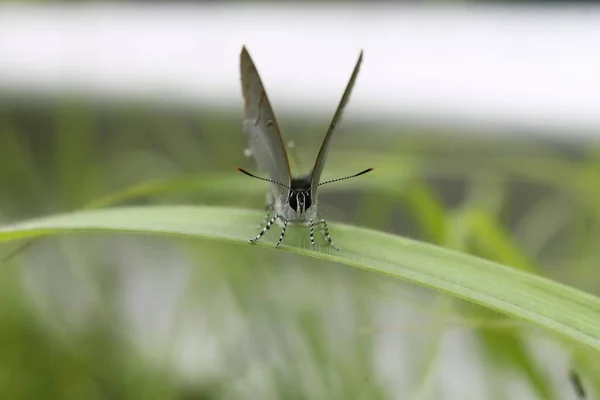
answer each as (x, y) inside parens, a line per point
(325, 233)
(285, 222)
(266, 228)
(312, 234)
(268, 211)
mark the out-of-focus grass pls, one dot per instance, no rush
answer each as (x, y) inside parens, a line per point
(150, 318)
(546, 304)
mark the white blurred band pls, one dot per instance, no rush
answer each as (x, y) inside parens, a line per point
(508, 67)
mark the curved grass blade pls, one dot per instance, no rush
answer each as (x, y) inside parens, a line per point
(556, 308)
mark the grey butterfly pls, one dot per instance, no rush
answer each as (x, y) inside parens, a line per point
(290, 200)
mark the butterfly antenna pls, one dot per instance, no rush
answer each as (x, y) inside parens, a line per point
(577, 385)
(261, 178)
(346, 177)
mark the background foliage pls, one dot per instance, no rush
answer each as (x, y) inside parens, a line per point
(122, 316)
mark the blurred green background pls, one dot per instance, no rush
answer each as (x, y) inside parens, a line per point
(119, 316)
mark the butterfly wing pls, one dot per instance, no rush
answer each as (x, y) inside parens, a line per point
(320, 161)
(264, 139)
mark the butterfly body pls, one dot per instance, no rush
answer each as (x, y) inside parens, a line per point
(290, 200)
(299, 206)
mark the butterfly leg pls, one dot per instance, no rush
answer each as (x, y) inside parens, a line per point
(265, 229)
(326, 235)
(268, 211)
(312, 234)
(285, 222)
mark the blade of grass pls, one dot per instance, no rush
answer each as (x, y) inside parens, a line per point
(556, 308)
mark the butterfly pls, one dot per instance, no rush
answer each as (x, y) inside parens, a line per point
(290, 199)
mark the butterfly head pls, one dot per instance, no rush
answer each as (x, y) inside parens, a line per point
(300, 195)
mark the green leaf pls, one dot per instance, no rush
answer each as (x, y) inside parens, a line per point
(559, 309)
